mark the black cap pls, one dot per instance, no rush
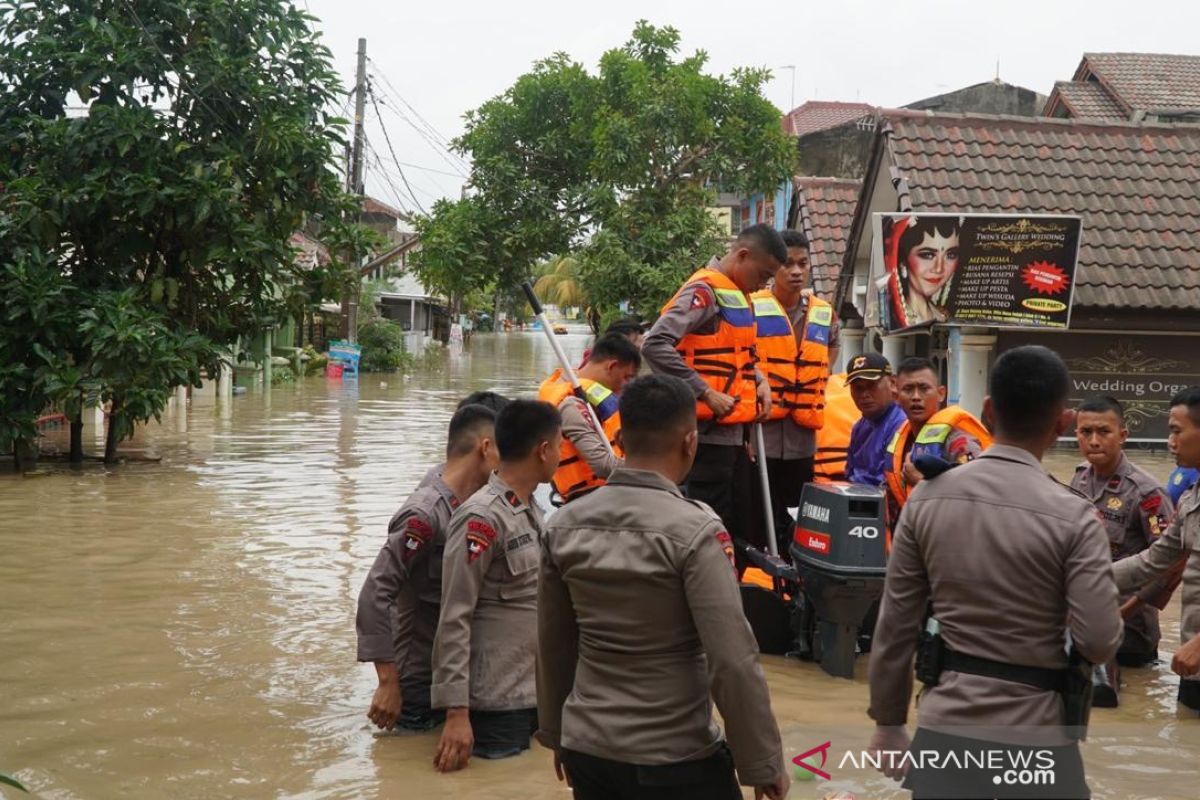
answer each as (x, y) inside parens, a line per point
(869, 367)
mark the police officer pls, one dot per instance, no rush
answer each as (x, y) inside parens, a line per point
(873, 390)
(486, 399)
(706, 337)
(1008, 560)
(483, 654)
(951, 434)
(1180, 542)
(585, 462)
(795, 329)
(1135, 510)
(400, 599)
(640, 623)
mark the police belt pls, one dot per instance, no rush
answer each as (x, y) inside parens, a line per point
(1044, 678)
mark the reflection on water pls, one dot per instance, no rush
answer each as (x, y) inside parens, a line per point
(185, 628)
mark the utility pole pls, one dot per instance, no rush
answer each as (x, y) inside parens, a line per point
(353, 280)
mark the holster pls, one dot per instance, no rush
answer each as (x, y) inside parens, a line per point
(1077, 696)
(931, 654)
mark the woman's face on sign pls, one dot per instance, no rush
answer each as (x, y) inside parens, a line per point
(932, 263)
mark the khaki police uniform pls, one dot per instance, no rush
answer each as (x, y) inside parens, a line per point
(1135, 509)
(721, 475)
(486, 640)
(1009, 559)
(399, 601)
(640, 623)
(1181, 540)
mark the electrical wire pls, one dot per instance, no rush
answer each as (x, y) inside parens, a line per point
(392, 150)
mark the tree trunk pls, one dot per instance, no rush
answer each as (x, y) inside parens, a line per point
(25, 454)
(111, 440)
(77, 438)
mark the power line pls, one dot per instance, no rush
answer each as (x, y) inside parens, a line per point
(438, 147)
(409, 106)
(392, 150)
(383, 167)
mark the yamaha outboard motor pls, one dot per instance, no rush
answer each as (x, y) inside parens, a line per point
(839, 552)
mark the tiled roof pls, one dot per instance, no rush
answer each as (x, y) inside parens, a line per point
(1086, 99)
(1147, 81)
(372, 206)
(1137, 188)
(826, 213)
(819, 115)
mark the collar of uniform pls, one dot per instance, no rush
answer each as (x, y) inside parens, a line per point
(445, 492)
(625, 476)
(502, 490)
(1123, 470)
(1010, 453)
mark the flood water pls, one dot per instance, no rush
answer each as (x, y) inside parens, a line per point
(185, 627)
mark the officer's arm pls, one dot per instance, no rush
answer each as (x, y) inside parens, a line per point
(380, 624)
(1095, 624)
(694, 310)
(578, 426)
(737, 683)
(962, 447)
(905, 595)
(462, 578)
(558, 647)
(1140, 569)
(1154, 509)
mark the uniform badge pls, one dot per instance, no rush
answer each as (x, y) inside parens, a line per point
(512, 498)
(417, 534)
(726, 542)
(1156, 522)
(859, 363)
(1114, 482)
(700, 298)
(1114, 503)
(480, 536)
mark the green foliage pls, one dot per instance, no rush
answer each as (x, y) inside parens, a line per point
(315, 364)
(558, 282)
(8, 780)
(166, 205)
(382, 345)
(614, 168)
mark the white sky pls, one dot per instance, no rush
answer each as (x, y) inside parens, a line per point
(445, 58)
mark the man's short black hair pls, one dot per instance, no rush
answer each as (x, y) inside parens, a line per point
(795, 239)
(615, 346)
(1189, 397)
(626, 326)
(522, 425)
(764, 238)
(1029, 387)
(490, 399)
(467, 425)
(915, 364)
(1102, 404)
(655, 410)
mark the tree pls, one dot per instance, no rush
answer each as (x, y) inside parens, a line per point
(615, 168)
(558, 282)
(161, 153)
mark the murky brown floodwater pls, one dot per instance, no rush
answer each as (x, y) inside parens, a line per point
(186, 628)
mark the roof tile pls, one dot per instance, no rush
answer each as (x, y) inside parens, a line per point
(1137, 188)
(827, 212)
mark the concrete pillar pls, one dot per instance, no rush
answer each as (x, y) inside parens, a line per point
(851, 342)
(969, 352)
(225, 383)
(93, 424)
(181, 398)
(268, 346)
(893, 349)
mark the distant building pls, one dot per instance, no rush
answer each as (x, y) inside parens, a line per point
(1133, 87)
(1135, 328)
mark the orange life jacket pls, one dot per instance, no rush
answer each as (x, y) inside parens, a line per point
(775, 347)
(812, 365)
(930, 440)
(833, 439)
(724, 359)
(574, 476)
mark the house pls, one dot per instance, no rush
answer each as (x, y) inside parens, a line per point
(1149, 87)
(1136, 186)
(823, 209)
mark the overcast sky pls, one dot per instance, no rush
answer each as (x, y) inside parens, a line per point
(444, 58)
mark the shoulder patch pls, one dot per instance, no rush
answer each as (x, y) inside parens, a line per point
(726, 542)
(417, 534)
(1152, 503)
(480, 536)
(702, 296)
